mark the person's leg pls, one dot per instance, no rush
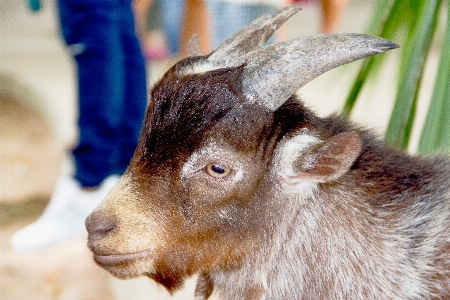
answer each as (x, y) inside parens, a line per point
(94, 28)
(331, 14)
(172, 15)
(229, 17)
(195, 21)
(141, 9)
(90, 30)
(257, 10)
(134, 96)
(216, 22)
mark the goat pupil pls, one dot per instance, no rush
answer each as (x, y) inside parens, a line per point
(217, 169)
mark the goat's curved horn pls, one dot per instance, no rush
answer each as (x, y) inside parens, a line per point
(193, 48)
(250, 37)
(274, 73)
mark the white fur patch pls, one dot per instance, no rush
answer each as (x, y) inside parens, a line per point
(288, 153)
(200, 67)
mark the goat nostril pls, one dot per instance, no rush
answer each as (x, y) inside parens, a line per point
(100, 225)
(105, 230)
(111, 228)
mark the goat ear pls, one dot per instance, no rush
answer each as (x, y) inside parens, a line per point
(328, 161)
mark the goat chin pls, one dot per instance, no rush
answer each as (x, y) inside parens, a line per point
(126, 266)
(128, 269)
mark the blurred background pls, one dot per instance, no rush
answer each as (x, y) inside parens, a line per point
(38, 110)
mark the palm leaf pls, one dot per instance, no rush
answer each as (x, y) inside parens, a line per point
(417, 47)
(413, 25)
(436, 131)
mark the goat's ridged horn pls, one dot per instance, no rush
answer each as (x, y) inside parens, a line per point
(251, 37)
(193, 48)
(274, 73)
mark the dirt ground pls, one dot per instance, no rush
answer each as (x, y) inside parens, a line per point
(28, 147)
(64, 272)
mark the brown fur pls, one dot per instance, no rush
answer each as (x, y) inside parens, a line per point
(374, 224)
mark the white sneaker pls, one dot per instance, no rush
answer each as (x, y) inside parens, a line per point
(63, 219)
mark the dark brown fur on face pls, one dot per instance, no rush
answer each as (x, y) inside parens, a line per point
(308, 208)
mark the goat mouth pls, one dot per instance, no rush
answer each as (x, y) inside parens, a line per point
(117, 259)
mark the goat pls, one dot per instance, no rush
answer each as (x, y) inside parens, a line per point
(236, 180)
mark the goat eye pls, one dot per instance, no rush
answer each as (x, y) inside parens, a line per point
(217, 171)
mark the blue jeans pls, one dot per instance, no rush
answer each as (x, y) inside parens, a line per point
(227, 18)
(112, 91)
(172, 15)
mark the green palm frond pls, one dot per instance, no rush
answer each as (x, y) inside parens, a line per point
(412, 24)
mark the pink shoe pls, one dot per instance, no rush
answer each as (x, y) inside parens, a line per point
(156, 53)
(302, 2)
